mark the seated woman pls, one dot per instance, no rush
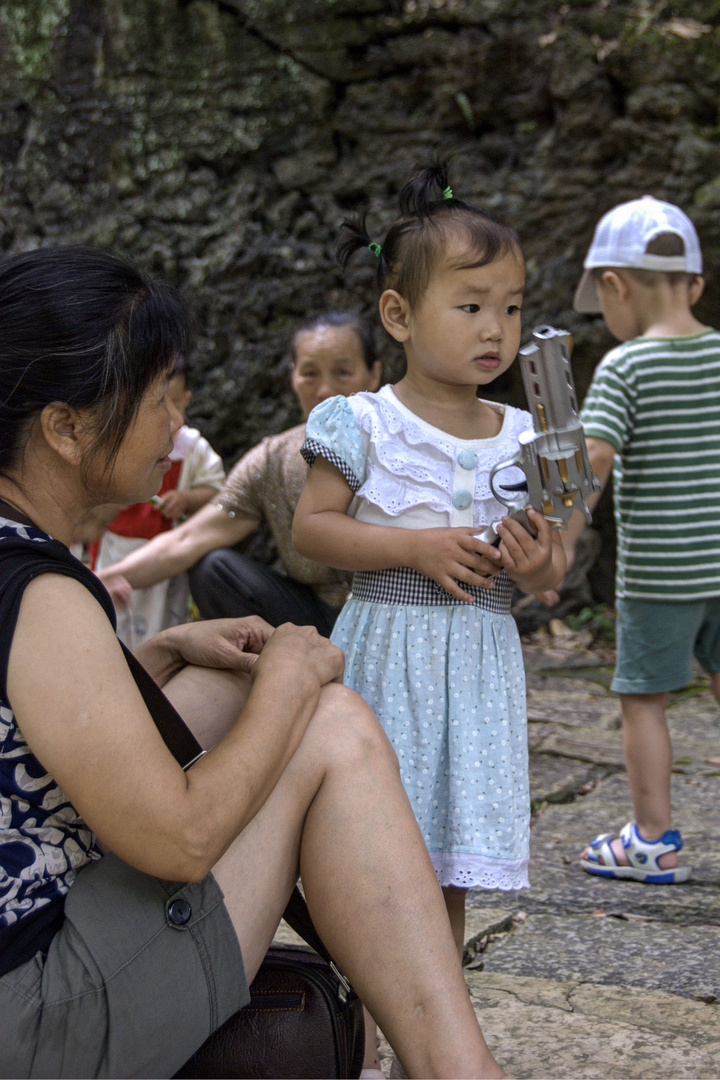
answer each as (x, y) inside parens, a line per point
(333, 353)
(138, 898)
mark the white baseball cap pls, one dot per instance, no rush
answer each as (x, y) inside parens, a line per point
(621, 239)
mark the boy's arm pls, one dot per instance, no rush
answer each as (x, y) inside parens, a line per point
(322, 531)
(601, 454)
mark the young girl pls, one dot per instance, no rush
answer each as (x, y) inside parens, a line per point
(398, 491)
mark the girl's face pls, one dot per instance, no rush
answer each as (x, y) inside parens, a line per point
(465, 331)
(142, 459)
(330, 361)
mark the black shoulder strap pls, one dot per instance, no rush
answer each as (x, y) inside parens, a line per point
(177, 736)
(21, 560)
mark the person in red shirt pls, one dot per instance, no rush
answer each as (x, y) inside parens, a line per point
(195, 475)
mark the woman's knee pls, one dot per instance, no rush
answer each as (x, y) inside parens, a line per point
(350, 730)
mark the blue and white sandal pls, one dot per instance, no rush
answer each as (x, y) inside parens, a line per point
(642, 854)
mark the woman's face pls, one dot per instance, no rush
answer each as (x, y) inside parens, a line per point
(142, 459)
(330, 361)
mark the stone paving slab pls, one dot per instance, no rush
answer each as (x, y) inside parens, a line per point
(597, 746)
(567, 703)
(285, 935)
(482, 921)
(564, 1029)
(554, 779)
(611, 950)
(696, 717)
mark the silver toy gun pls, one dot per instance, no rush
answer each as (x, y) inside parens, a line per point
(554, 456)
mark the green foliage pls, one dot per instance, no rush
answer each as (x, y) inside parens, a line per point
(31, 31)
(599, 619)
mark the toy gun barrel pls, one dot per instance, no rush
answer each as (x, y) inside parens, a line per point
(553, 457)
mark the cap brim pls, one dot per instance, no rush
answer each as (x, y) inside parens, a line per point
(586, 298)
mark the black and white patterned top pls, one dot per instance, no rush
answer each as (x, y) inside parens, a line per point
(43, 840)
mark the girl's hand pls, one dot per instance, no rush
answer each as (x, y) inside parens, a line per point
(173, 504)
(118, 586)
(453, 557)
(535, 563)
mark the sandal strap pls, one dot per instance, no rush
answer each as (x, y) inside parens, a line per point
(644, 854)
(601, 851)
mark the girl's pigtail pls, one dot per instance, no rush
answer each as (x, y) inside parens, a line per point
(355, 237)
(425, 188)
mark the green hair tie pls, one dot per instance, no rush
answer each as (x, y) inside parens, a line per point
(376, 249)
(447, 193)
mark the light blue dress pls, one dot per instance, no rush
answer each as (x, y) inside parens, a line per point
(445, 678)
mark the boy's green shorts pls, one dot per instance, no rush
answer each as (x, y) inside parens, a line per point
(139, 975)
(656, 642)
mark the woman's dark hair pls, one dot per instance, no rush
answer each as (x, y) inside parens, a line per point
(84, 328)
(338, 320)
(430, 217)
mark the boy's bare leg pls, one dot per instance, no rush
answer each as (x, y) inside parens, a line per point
(648, 760)
(715, 685)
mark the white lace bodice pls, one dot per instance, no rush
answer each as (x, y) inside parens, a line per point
(404, 471)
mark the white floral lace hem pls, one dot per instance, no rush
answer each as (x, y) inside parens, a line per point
(480, 871)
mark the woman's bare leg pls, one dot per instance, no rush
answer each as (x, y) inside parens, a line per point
(340, 814)
(209, 700)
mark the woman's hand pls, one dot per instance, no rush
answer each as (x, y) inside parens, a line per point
(453, 557)
(300, 650)
(291, 652)
(230, 644)
(221, 643)
(535, 563)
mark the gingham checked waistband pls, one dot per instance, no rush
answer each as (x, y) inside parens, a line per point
(402, 585)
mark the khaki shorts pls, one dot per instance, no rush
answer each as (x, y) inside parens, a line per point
(140, 974)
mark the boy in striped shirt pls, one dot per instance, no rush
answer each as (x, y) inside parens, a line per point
(652, 415)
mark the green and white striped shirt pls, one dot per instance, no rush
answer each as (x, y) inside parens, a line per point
(657, 400)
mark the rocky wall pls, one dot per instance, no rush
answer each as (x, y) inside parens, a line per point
(220, 143)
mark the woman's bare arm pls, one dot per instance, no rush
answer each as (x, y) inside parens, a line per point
(82, 715)
(172, 552)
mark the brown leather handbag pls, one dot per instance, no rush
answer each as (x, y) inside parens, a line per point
(303, 1019)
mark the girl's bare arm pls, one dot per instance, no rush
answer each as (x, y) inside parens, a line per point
(322, 531)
